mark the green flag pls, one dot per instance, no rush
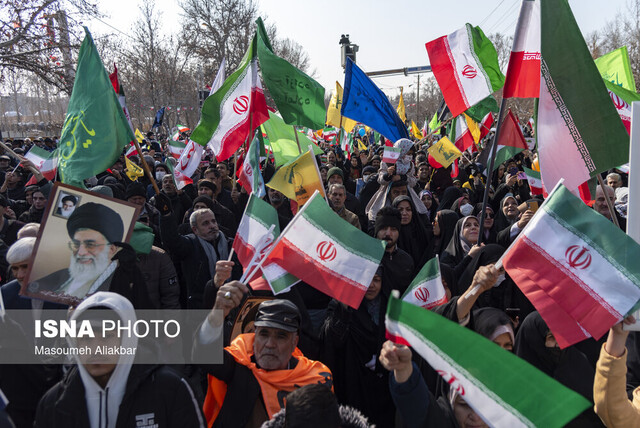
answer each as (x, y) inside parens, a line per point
(615, 68)
(282, 140)
(435, 123)
(95, 130)
(480, 110)
(299, 98)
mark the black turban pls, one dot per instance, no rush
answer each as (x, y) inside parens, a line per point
(96, 217)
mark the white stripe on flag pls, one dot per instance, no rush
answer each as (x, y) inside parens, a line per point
(489, 406)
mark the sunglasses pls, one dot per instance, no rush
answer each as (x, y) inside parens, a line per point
(488, 215)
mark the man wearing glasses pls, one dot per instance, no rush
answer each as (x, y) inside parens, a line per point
(93, 228)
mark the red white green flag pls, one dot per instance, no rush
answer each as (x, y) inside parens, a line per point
(579, 132)
(253, 236)
(45, 161)
(577, 268)
(503, 389)
(622, 99)
(231, 115)
(486, 124)
(188, 161)
(331, 255)
(176, 148)
(426, 289)
(391, 154)
(179, 178)
(465, 64)
(523, 72)
(250, 176)
(535, 181)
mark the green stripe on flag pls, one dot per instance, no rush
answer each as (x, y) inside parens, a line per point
(263, 213)
(485, 53)
(620, 250)
(531, 173)
(318, 213)
(514, 384)
(578, 84)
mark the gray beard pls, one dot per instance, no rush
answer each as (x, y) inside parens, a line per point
(91, 271)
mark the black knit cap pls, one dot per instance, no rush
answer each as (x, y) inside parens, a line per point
(387, 216)
(96, 217)
(135, 189)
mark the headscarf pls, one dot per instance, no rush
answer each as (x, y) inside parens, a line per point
(450, 195)
(485, 256)
(492, 322)
(501, 221)
(458, 246)
(447, 222)
(569, 366)
(414, 238)
(403, 164)
(431, 212)
(491, 234)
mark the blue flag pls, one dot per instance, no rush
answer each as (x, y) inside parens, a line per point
(364, 102)
(157, 123)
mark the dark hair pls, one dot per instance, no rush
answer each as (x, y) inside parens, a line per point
(312, 406)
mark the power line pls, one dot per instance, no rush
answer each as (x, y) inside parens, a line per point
(507, 12)
(114, 28)
(490, 13)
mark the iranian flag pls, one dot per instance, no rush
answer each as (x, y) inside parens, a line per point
(188, 161)
(176, 148)
(45, 161)
(329, 254)
(535, 182)
(503, 389)
(577, 268)
(391, 154)
(486, 124)
(622, 99)
(523, 72)
(426, 289)
(253, 236)
(231, 115)
(465, 64)
(179, 178)
(579, 132)
(466, 136)
(510, 142)
(250, 177)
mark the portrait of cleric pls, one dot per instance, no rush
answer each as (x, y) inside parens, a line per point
(74, 256)
(66, 205)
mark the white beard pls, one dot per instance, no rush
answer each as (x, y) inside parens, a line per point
(89, 272)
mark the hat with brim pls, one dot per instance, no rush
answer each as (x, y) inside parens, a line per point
(278, 313)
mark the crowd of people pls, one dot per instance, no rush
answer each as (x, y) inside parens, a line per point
(310, 360)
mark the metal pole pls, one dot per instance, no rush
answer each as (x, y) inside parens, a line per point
(492, 160)
(418, 99)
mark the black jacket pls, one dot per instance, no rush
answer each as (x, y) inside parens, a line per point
(155, 397)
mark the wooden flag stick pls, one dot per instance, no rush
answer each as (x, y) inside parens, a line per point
(146, 167)
(18, 157)
(295, 132)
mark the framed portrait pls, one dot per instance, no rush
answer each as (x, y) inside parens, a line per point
(247, 315)
(66, 204)
(77, 239)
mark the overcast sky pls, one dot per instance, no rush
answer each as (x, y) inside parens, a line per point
(390, 34)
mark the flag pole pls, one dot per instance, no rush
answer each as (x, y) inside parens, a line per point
(286, 229)
(612, 210)
(633, 207)
(423, 139)
(492, 160)
(295, 132)
(251, 268)
(315, 163)
(147, 171)
(16, 156)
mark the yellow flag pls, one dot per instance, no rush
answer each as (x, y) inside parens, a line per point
(474, 128)
(298, 179)
(416, 132)
(333, 111)
(132, 170)
(139, 136)
(400, 109)
(444, 152)
(361, 145)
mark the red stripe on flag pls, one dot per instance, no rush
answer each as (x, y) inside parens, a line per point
(562, 286)
(396, 339)
(298, 263)
(244, 250)
(234, 139)
(446, 76)
(523, 77)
